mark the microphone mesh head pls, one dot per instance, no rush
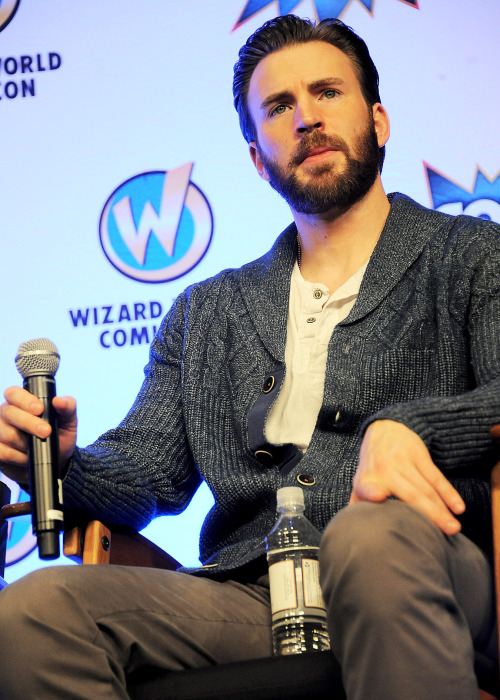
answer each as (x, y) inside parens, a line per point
(38, 356)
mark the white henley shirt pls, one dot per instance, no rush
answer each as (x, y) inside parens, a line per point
(313, 313)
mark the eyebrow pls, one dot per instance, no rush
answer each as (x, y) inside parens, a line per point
(286, 94)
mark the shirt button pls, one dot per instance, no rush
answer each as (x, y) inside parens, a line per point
(318, 294)
(311, 319)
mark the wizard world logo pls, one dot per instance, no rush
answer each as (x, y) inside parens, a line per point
(8, 9)
(482, 199)
(322, 8)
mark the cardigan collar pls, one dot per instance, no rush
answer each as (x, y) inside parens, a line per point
(265, 283)
(404, 236)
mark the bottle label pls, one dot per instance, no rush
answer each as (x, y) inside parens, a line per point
(284, 579)
(283, 586)
(313, 598)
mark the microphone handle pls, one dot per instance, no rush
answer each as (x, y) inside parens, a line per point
(45, 485)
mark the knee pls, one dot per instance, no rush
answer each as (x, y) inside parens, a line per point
(35, 598)
(368, 547)
(366, 531)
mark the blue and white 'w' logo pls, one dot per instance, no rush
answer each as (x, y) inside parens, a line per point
(20, 538)
(7, 11)
(156, 226)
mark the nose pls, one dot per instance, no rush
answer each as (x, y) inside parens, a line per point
(308, 117)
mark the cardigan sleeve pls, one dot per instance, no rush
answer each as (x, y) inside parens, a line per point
(456, 429)
(144, 467)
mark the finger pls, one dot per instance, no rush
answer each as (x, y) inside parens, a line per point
(18, 473)
(10, 456)
(436, 488)
(442, 486)
(13, 454)
(22, 420)
(412, 488)
(395, 458)
(416, 481)
(421, 474)
(12, 437)
(17, 396)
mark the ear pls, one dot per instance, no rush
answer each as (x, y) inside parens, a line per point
(382, 125)
(257, 161)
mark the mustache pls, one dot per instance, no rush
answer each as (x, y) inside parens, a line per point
(314, 140)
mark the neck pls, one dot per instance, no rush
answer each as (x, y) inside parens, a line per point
(336, 244)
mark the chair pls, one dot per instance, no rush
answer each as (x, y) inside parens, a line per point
(4, 499)
(297, 677)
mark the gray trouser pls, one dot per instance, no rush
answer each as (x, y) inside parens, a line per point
(406, 604)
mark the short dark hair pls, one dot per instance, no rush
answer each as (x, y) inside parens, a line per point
(288, 30)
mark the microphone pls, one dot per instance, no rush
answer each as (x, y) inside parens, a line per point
(37, 362)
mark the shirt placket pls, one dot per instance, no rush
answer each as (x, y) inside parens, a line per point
(311, 317)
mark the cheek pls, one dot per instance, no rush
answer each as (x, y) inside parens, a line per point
(278, 150)
(276, 136)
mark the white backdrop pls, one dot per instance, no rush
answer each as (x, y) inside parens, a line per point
(93, 95)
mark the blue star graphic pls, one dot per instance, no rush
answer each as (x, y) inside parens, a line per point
(323, 8)
(445, 191)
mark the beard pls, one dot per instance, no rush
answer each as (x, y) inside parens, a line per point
(327, 189)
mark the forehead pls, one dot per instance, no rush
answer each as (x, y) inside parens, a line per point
(300, 64)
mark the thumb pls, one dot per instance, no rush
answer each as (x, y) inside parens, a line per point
(66, 409)
(366, 490)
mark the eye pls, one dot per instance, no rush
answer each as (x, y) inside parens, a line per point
(330, 93)
(279, 109)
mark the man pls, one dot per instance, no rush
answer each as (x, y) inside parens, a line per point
(385, 316)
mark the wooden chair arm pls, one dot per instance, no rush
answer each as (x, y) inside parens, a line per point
(14, 510)
(495, 515)
(89, 542)
(95, 542)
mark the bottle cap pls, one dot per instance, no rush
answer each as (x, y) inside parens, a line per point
(290, 496)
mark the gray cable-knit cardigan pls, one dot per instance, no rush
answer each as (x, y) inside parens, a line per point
(421, 346)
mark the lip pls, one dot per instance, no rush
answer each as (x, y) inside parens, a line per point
(318, 154)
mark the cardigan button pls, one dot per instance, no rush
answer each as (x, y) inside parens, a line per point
(264, 457)
(306, 479)
(268, 385)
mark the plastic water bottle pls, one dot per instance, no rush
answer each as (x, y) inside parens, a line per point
(297, 605)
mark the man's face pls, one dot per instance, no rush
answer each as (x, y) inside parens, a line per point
(317, 140)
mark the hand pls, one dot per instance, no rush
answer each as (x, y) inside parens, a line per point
(394, 461)
(19, 417)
